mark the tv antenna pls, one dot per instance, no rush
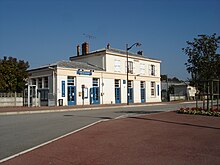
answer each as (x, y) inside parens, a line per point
(89, 36)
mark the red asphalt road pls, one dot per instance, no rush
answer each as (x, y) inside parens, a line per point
(164, 138)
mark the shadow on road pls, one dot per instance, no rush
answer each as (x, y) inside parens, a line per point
(177, 123)
(99, 117)
(138, 112)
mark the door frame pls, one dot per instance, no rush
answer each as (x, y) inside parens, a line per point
(117, 93)
(94, 93)
(73, 102)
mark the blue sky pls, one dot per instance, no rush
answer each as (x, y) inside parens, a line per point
(46, 31)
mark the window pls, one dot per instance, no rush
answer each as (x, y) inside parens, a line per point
(34, 82)
(142, 69)
(142, 84)
(71, 81)
(45, 82)
(95, 82)
(117, 66)
(117, 83)
(40, 83)
(152, 70)
(130, 84)
(44, 94)
(130, 67)
(152, 88)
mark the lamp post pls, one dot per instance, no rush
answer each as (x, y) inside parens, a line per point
(127, 49)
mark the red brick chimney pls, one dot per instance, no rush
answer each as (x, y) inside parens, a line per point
(85, 48)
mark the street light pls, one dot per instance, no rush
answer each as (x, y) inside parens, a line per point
(127, 49)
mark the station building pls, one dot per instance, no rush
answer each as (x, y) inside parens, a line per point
(98, 77)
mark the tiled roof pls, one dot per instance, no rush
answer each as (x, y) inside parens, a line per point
(77, 65)
(71, 64)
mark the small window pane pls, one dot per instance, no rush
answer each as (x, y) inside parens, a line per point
(130, 84)
(117, 83)
(153, 70)
(152, 88)
(40, 83)
(95, 82)
(142, 84)
(71, 81)
(46, 82)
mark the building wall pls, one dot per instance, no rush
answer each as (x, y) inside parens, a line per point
(142, 71)
(108, 91)
(107, 86)
(59, 89)
(82, 80)
(141, 66)
(137, 92)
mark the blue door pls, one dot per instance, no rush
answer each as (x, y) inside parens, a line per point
(117, 95)
(71, 95)
(94, 95)
(130, 95)
(142, 95)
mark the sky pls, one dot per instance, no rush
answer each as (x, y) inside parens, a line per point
(45, 31)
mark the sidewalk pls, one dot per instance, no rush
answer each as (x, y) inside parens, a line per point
(45, 109)
(163, 138)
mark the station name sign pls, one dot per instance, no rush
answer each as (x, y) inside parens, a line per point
(80, 72)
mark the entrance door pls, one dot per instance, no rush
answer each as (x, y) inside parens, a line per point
(94, 95)
(130, 95)
(130, 92)
(71, 95)
(143, 91)
(117, 95)
(117, 92)
(142, 95)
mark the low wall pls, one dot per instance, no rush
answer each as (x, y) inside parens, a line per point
(11, 99)
(177, 97)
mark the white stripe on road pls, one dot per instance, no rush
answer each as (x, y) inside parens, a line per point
(48, 142)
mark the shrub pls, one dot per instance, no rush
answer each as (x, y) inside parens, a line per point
(199, 111)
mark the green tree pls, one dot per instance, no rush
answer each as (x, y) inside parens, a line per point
(13, 74)
(163, 77)
(203, 61)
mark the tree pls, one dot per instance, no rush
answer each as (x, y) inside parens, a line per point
(163, 77)
(203, 61)
(174, 79)
(13, 74)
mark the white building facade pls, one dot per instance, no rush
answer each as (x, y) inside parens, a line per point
(99, 77)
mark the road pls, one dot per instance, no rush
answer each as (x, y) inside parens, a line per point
(21, 132)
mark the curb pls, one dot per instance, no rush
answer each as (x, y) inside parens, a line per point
(80, 109)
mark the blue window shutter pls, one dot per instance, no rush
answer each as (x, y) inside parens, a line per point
(158, 90)
(63, 88)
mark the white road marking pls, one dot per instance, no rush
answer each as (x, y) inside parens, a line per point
(48, 142)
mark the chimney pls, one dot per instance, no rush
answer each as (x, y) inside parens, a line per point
(108, 46)
(85, 48)
(140, 53)
(78, 50)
